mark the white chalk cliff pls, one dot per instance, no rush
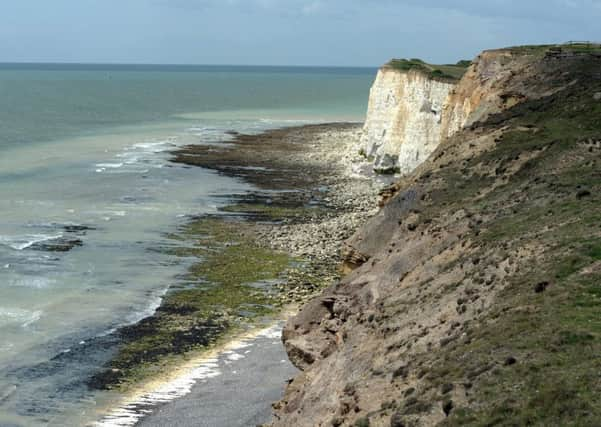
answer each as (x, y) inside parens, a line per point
(403, 124)
(410, 112)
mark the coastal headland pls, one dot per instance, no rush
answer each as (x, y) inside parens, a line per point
(474, 293)
(446, 275)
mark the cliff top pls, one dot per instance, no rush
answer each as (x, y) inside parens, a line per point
(455, 72)
(564, 49)
(444, 71)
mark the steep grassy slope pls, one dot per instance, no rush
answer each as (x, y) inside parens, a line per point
(477, 294)
(534, 357)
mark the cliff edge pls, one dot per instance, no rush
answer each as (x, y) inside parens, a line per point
(415, 106)
(403, 123)
(476, 293)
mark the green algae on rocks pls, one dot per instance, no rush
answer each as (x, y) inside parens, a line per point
(234, 282)
(228, 287)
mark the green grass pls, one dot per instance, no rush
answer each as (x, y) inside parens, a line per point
(554, 334)
(531, 49)
(556, 48)
(557, 346)
(583, 47)
(443, 72)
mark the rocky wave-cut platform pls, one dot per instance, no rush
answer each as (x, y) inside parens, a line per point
(266, 252)
(310, 198)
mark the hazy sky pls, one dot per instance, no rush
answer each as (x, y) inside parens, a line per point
(286, 32)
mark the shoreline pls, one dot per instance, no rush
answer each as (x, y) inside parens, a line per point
(308, 200)
(141, 402)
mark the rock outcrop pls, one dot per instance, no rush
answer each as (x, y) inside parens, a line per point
(474, 299)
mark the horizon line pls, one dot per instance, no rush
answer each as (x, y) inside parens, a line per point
(182, 64)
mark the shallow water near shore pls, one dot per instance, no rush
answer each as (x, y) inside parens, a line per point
(87, 193)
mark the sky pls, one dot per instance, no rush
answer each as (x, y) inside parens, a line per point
(283, 32)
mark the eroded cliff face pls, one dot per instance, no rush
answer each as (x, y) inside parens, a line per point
(403, 124)
(493, 83)
(475, 295)
(410, 112)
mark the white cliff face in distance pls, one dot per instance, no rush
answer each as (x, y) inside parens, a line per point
(403, 124)
(410, 112)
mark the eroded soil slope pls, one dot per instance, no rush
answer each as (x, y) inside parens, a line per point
(476, 298)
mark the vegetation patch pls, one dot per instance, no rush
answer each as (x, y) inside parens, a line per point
(584, 47)
(444, 72)
(234, 281)
(278, 213)
(387, 171)
(229, 287)
(534, 359)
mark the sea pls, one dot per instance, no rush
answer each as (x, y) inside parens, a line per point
(88, 192)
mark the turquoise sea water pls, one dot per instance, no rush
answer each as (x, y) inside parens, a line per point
(88, 146)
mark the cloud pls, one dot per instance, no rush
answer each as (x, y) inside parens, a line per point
(306, 7)
(531, 10)
(335, 32)
(312, 7)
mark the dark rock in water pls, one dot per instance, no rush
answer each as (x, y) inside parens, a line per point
(61, 244)
(128, 199)
(103, 380)
(178, 340)
(75, 228)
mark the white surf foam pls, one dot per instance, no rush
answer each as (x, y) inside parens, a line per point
(156, 147)
(31, 282)
(20, 243)
(109, 165)
(17, 316)
(143, 403)
(234, 356)
(137, 156)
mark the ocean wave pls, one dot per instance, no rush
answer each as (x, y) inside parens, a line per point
(287, 121)
(102, 167)
(31, 282)
(24, 318)
(149, 310)
(109, 165)
(155, 147)
(136, 156)
(20, 243)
